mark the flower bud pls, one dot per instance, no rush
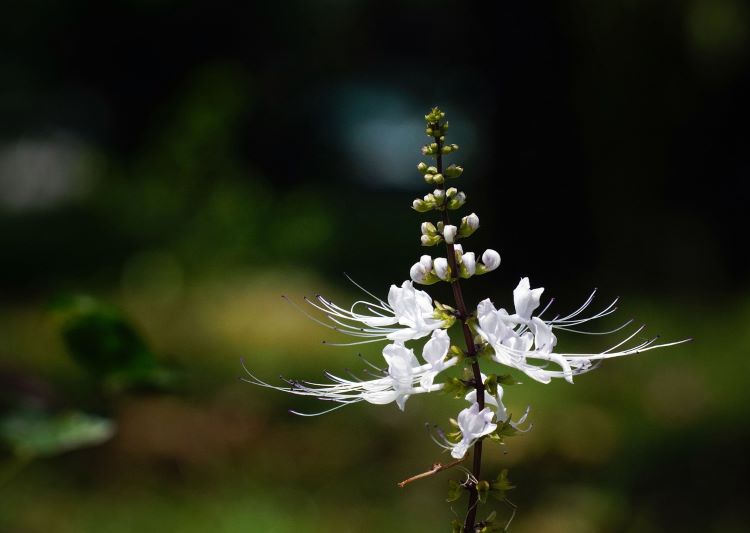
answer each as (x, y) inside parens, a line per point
(426, 262)
(429, 178)
(453, 171)
(432, 170)
(449, 233)
(420, 206)
(442, 270)
(469, 225)
(439, 196)
(418, 272)
(428, 228)
(430, 240)
(468, 265)
(422, 168)
(458, 248)
(450, 148)
(491, 260)
(438, 178)
(457, 201)
(451, 192)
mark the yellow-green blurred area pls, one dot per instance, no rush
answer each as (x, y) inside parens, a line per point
(169, 170)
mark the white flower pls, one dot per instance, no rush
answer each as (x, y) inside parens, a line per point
(408, 315)
(441, 268)
(449, 233)
(520, 340)
(403, 378)
(491, 259)
(473, 424)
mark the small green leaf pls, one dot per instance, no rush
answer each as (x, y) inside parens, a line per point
(501, 485)
(455, 490)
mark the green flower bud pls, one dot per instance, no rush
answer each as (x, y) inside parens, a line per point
(422, 168)
(457, 201)
(432, 170)
(429, 178)
(428, 228)
(421, 206)
(430, 240)
(453, 171)
(451, 192)
(439, 196)
(438, 178)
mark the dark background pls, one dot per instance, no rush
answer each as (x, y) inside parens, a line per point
(186, 163)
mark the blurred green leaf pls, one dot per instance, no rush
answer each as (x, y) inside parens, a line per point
(101, 340)
(36, 434)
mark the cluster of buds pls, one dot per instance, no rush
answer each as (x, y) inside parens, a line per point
(439, 199)
(427, 270)
(432, 176)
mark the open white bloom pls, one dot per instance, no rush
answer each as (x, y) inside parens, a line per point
(527, 342)
(473, 424)
(403, 377)
(408, 314)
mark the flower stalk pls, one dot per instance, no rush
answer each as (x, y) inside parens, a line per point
(462, 315)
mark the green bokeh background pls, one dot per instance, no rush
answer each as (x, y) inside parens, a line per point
(168, 170)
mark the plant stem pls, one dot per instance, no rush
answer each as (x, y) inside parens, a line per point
(471, 351)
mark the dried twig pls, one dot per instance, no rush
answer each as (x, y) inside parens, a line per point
(436, 467)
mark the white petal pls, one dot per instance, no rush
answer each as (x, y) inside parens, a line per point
(437, 347)
(525, 299)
